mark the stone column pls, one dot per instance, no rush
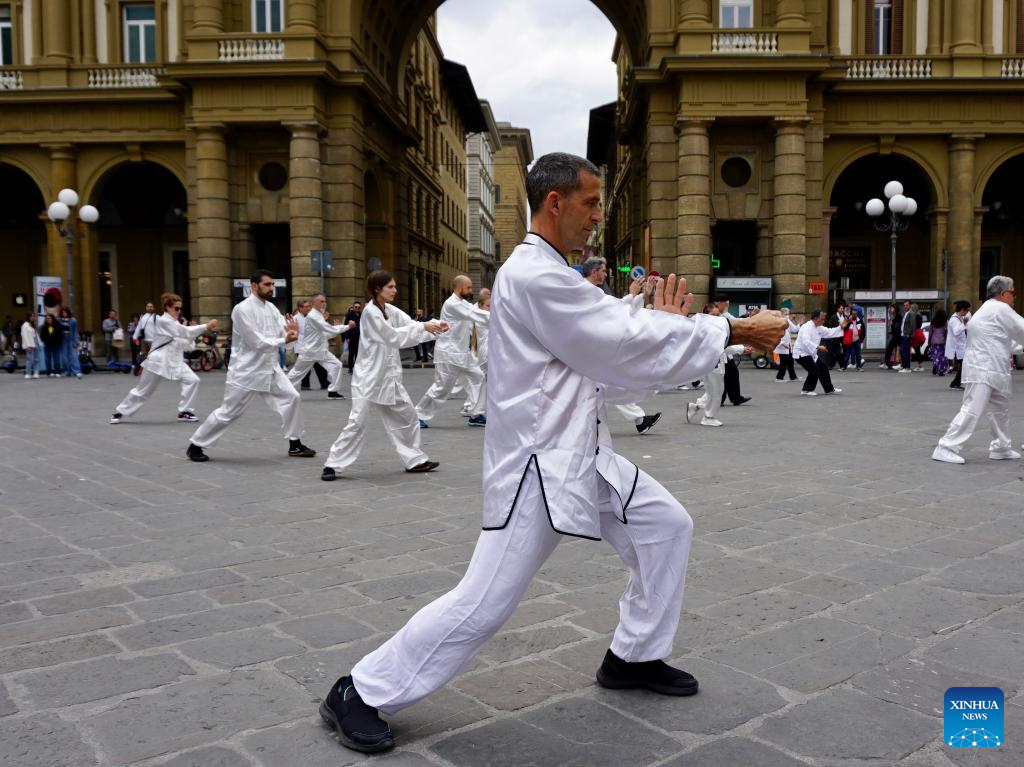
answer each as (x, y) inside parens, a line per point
(817, 244)
(63, 175)
(88, 32)
(693, 207)
(789, 207)
(695, 13)
(823, 268)
(964, 26)
(301, 16)
(344, 174)
(790, 13)
(208, 16)
(37, 31)
(305, 206)
(56, 24)
(212, 299)
(938, 219)
(986, 26)
(963, 255)
(662, 199)
(935, 44)
(833, 27)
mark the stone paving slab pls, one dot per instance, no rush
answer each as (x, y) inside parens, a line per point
(157, 613)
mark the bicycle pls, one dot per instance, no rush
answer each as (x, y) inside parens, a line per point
(205, 359)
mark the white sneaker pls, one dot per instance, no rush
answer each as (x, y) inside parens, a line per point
(35, 375)
(683, 387)
(691, 411)
(809, 393)
(115, 418)
(837, 390)
(904, 370)
(946, 455)
(883, 366)
(1004, 455)
(780, 380)
(705, 421)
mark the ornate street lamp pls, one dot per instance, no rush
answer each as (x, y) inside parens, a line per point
(900, 210)
(59, 213)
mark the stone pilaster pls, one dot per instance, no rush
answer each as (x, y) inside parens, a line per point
(56, 24)
(963, 256)
(88, 32)
(344, 176)
(63, 175)
(305, 206)
(822, 270)
(789, 207)
(301, 16)
(208, 16)
(938, 225)
(935, 42)
(695, 13)
(790, 13)
(212, 229)
(833, 27)
(661, 180)
(986, 26)
(965, 15)
(37, 31)
(817, 245)
(693, 206)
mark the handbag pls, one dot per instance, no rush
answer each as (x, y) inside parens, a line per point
(117, 338)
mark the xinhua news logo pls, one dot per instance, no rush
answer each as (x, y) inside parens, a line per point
(973, 717)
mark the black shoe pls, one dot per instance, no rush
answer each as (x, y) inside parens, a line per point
(740, 401)
(422, 467)
(195, 453)
(334, 395)
(303, 388)
(654, 675)
(297, 450)
(328, 474)
(477, 420)
(358, 725)
(648, 423)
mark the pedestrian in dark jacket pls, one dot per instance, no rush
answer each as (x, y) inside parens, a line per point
(52, 336)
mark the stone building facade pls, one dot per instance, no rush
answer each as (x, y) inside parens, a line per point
(511, 210)
(480, 152)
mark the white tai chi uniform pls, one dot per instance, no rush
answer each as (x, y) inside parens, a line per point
(257, 331)
(311, 347)
(956, 339)
(630, 410)
(170, 340)
(558, 348)
(480, 355)
(377, 388)
(454, 359)
(995, 329)
(714, 383)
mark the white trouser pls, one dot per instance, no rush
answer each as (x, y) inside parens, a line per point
(631, 412)
(711, 399)
(148, 383)
(980, 400)
(445, 635)
(304, 364)
(400, 422)
(281, 398)
(445, 376)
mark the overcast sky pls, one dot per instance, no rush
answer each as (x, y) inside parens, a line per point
(542, 64)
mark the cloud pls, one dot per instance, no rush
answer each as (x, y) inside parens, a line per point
(542, 64)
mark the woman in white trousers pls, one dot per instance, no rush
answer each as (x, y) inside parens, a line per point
(166, 362)
(377, 381)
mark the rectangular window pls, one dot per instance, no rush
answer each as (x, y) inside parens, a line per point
(497, 194)
(883, 27)
(736, 14)
(139, 34)
(268, 15)
(6, 50)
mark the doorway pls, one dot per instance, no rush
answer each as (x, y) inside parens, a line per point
(734, 248)
(274, 253)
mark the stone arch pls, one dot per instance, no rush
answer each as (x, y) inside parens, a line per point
(38, 178)
(23, 232)
(985, 175)
(938, 191)
(97, 178)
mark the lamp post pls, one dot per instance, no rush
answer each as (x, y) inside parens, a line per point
(59, 212)
(901, 208)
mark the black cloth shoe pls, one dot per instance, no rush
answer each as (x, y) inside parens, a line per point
(297, 450)
(648, 423)
(328, 474)
(195, 453)
(422, 467)
(335, 395)
(654, 675)
(358, 725)
(740, 401)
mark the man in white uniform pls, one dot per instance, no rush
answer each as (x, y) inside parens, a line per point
(257, 330)
(311, 347)
(995, 330)
(808, 344)
(454, 359)
(558, 348)
(483, 303)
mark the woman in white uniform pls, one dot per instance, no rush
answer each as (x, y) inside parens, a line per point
(384, 329)
(166, 362)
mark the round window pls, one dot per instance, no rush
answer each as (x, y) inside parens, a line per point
(736, 172)
(273, 176)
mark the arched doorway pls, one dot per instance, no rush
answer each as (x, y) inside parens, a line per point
(142, 239)
(1002, 227)
(22, 239)
(859, 255)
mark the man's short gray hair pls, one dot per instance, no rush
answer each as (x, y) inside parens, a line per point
(555, 172)
(998, 285)
(592, 264)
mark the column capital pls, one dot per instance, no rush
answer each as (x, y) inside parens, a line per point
(61, 151)
(790, 123)
(698, 125)
(304, 128)
(964, 140)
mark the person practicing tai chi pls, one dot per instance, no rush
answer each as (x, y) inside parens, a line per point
(714, 384)
(478, 343)
(808, 344)
(549, 467)
(311, 346)
(169, 340)
(453, 359)
(257, 331)
(996, 330)
(631, 411)
(384, 329)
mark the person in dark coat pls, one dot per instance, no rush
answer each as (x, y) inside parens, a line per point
(352, 315)
(52, 336)
(732, 371)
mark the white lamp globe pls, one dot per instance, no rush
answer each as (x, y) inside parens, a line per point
(875, 207)
(69, 197)
(89, 214)
(58, 211)
(911, 207)
(893, 188)
(898, 204)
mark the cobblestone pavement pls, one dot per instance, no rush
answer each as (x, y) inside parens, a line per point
(157, 612)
